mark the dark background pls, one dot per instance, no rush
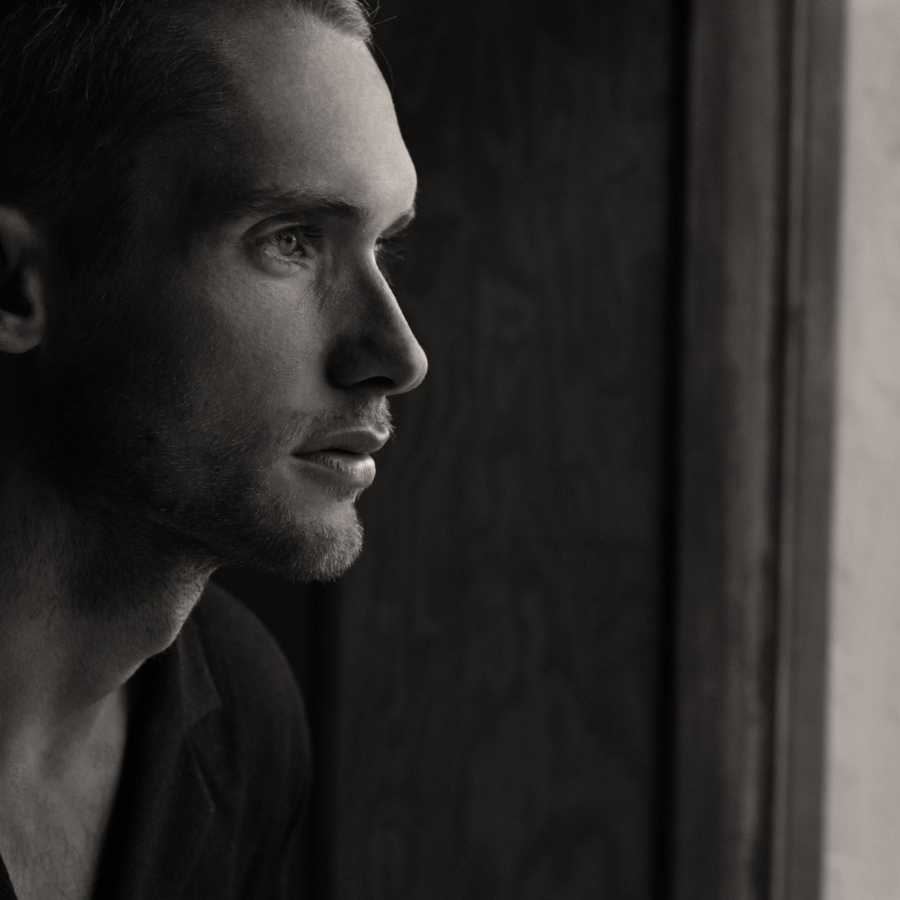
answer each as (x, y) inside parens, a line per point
(552, 675)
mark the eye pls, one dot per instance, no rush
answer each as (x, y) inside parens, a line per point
(293, 245)
(287, 243)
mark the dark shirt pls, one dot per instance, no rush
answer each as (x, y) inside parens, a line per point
(216, 769)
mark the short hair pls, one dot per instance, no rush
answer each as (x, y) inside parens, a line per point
(85, 83)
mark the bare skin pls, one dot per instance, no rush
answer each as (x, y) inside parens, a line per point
(270, 344)
(56, 807)
(64, 695)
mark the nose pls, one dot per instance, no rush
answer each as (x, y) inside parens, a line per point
(376, 351)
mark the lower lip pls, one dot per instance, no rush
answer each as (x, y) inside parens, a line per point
(354, 471)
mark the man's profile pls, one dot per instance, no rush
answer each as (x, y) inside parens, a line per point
(197, 344)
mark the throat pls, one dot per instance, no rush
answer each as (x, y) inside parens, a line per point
(53, 848)
(55, 809)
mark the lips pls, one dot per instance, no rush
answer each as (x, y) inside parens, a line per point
(361, 441)
(342, 460)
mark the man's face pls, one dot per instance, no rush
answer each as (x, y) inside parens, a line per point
(238, 380)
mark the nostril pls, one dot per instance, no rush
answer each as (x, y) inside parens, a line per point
(380, 384)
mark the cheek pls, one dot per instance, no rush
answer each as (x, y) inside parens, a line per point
(262, 340)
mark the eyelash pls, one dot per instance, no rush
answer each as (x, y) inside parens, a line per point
(388, 253)
(388, 250)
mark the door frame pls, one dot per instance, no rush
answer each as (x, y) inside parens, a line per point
(755, 350)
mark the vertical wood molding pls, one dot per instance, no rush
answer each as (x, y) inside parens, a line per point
(755, 448)
(729, 442)
(809, 414)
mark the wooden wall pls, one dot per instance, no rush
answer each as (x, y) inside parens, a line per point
(498, 728)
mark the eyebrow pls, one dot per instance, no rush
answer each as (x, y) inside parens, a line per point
(301, 201)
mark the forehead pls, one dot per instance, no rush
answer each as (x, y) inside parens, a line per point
(313, 113)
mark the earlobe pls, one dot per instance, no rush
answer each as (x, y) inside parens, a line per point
(22, 278)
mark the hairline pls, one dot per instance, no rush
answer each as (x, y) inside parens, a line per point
(104, 263)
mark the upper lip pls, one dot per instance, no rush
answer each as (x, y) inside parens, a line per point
(356, 441)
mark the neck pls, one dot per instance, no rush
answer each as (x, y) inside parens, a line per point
(83, 603)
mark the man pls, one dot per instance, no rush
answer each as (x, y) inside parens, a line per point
(196, 350)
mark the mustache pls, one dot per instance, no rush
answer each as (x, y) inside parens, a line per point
(370, 416)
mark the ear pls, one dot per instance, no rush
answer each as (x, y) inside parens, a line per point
(23, 280)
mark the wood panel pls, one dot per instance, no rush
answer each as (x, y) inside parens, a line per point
(729, 435)
(499, 643)
(755, 447)
(805, 566)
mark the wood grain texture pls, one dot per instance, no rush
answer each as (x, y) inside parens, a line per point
(498, 655)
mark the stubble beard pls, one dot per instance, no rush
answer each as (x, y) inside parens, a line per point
(208, 498)
(139, 460)
(208, 504)
(232, 515)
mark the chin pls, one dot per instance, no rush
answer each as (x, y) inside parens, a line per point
(319, 548)
(324, 555)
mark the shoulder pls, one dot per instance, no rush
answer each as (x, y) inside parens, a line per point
(261, 704)
(245, 659)
(246, 734)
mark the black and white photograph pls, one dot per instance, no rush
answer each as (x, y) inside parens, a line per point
(449, 451)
